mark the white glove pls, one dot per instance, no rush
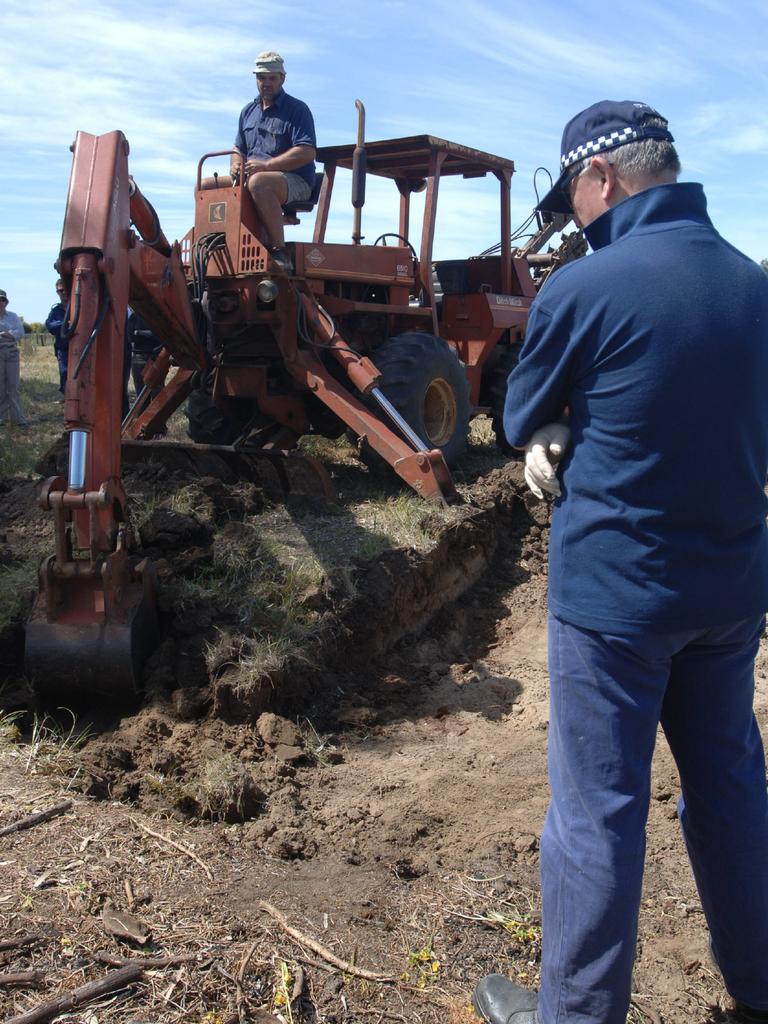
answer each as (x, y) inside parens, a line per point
(542, 453)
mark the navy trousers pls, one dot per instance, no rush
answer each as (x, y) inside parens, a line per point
(608, 695)
(61, 359)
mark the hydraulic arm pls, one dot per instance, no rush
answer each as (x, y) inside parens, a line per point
(94, 617)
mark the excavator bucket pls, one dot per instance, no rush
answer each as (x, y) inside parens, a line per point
(96, 640)
(94, 620)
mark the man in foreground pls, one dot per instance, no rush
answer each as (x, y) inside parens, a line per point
(650, 358)
(276, 143)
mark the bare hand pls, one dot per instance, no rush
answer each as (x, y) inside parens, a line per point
(252, 165)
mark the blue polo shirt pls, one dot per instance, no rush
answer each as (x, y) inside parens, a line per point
(657, 343)
(266, 133)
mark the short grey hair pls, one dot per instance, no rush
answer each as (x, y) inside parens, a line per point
(647, 158)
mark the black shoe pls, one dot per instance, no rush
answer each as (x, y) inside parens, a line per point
(281, 260)
(500, 1001)
(746, 1015)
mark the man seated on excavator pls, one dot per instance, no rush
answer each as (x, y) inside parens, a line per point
(276, 141)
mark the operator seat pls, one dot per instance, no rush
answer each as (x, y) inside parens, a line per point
(305, 205)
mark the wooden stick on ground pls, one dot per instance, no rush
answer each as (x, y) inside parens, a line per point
(129, 893)
(22, 978)
(36, 819)
(148, 963)
(111, 982)
(240, 998)
(177, 846)
(326, 954)
(23, 940)
(299, 984)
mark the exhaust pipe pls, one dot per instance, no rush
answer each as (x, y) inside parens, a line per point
(358, 174)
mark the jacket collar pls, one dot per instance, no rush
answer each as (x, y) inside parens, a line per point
(656, 206)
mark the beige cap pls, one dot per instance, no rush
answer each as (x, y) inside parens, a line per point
(269, 62)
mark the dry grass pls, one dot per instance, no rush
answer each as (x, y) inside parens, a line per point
(393, 522)
(54, 747)
(248, 660)
(20, 449)
(10, 733)
(218, 790)
(219, 787)
(17, 582)
(252, 577)
(337, 452)
(270, 591)
(188, 499)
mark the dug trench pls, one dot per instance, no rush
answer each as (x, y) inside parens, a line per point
(384, 788)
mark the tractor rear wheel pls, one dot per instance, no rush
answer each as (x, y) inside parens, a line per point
(424, 379)
(208, 424)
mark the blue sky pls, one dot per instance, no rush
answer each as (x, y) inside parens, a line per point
(502, 77)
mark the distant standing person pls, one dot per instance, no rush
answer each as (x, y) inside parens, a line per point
(54, 323)
(276, 142)
(144, 346)
(11, 333)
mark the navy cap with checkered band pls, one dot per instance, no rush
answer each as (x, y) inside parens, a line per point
(598, 129)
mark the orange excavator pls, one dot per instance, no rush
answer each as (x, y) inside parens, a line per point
(375, 340)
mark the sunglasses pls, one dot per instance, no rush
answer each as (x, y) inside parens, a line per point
(568, 180)
(3, 300)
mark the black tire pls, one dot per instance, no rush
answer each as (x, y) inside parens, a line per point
(498, 394)
(207, 424)
(424, 379)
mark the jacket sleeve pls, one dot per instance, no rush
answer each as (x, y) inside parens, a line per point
(538, 388)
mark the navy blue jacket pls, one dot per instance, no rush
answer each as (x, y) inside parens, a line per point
(54, 322)
(287, 122)
(657, 343)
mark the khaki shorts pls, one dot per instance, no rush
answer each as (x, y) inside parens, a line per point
(299, 189)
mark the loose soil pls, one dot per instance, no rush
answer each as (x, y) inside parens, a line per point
(385, 792)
